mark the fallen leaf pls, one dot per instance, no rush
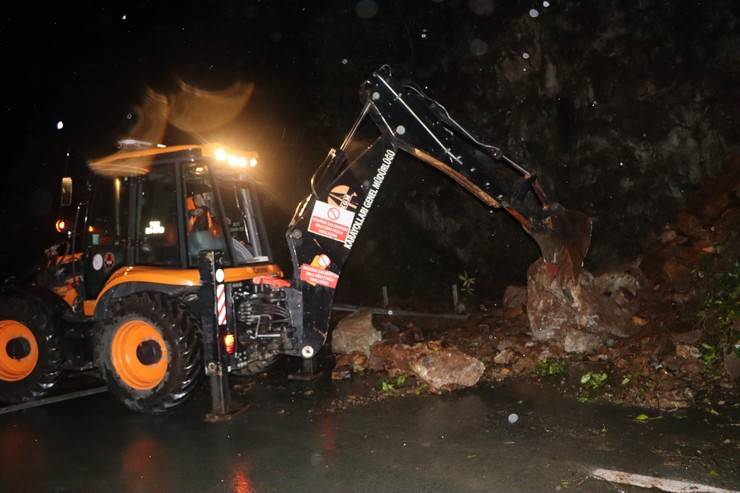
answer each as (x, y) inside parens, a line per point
(642, 418)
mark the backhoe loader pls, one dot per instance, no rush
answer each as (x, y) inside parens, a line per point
(166, 275)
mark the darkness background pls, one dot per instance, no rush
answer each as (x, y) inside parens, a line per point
(622, 107)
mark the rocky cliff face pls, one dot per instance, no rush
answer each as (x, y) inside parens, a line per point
(622, 107)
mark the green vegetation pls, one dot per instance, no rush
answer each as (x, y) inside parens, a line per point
(644, 418)
(709, 354)
(593, 381)
(389, 385)
(468, 283)
(718, 311)
(591, 384)
(551, 367)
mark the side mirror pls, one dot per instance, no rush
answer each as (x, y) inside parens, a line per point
(66, 197)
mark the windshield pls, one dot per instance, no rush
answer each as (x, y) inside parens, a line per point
(210, 221)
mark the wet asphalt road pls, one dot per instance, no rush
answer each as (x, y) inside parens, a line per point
(286, 442)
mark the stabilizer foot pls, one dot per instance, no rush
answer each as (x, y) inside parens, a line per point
(235, 411)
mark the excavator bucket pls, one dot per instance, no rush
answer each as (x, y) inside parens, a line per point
(563, 237)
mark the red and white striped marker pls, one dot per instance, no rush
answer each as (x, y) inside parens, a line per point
(221, 304)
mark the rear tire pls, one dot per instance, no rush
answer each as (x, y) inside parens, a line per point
(149, 352)
(30, 349)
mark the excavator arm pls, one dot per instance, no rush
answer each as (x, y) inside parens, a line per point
(397, 118)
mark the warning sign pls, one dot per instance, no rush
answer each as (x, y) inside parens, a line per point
(317, 275)
(330, 221)
(108, 260)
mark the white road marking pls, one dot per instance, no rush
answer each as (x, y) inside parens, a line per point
(670, 485)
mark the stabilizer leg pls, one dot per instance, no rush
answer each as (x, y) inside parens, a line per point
(309, 370)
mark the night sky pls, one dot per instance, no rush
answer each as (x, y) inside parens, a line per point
(538, 78)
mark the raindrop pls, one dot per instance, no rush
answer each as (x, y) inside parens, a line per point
(525, 55)
(524, 69)
(123, 17)
(513, 418)
(344, 61)
(60, 125)
(478, 47)
(129, 116)
(534, 13)
(481, 7)
(366, 9)
(423, 34)
(545, 4)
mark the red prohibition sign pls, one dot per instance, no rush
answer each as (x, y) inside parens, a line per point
(333, 213)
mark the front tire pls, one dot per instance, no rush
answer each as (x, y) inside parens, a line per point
(30, 350)
(149, 352)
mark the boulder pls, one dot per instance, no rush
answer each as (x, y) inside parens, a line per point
(445, 368)
(355, 333)
(440, 367)
(393, 358)
(578, 341)
(580, 313)
(357, 361)
(515, 297)
(687, 351)
(504, 357)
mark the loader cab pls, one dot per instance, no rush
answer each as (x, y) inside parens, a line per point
(160, 207)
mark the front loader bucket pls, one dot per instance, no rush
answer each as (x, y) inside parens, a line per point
(563, 236)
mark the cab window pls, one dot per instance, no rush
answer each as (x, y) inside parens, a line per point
(203, 230)
(157, 229)
(109, 213)
(242, 244)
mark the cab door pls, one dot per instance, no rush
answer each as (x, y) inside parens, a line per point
(106, 234)
(159, 211)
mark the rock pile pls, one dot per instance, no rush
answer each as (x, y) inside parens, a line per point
(580, 315)
(439, 366)
(711, 221)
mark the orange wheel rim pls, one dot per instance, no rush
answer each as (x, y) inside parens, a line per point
(19, 351)
(139, 355)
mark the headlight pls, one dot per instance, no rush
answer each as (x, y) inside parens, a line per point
(235, 159)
